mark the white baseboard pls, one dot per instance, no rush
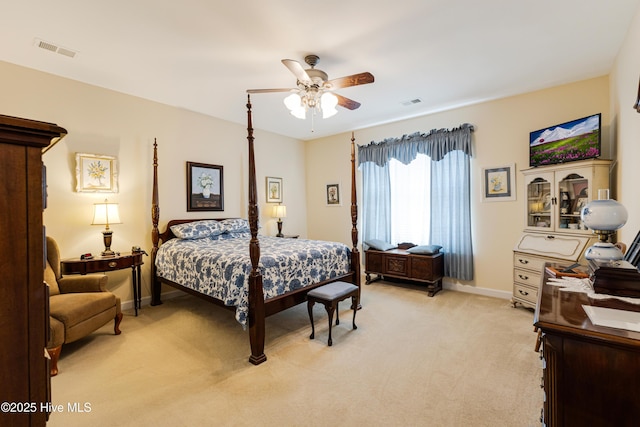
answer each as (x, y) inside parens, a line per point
(478, 291)
(128, 305)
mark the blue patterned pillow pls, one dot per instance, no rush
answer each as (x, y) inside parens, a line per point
(379, 244)
(425, 249)
(198, 229)
(235, 224)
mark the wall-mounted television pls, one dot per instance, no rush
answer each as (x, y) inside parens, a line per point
(575, 140)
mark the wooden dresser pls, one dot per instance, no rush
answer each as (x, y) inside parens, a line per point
(24, 370)
(400, 264)
(591, 374)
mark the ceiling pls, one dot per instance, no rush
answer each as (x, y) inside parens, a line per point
(202, 55)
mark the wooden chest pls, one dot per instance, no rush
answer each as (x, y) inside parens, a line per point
(400, 264)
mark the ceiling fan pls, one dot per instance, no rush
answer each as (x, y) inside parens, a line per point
(314, 90)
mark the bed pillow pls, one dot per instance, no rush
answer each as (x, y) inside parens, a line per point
(233, 235)
(425, 249)
(379, 245)
(235, 224)
(197, 229)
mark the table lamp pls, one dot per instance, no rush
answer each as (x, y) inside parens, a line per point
(279, 211)
(104, 214)
(604, 217)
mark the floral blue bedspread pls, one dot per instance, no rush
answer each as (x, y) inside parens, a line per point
(220, 268)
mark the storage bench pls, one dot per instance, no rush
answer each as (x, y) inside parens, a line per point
(400, 264)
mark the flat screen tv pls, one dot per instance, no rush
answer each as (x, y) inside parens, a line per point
(566, 142)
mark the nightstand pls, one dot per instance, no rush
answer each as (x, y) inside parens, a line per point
(104, 264)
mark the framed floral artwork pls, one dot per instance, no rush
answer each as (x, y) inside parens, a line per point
(499, 184)
(96, 173)
(274, 190)
(205, 189)
(333, 195)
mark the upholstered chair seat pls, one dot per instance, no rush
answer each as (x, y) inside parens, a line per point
(78, 305)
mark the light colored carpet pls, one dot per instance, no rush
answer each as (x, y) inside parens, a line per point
(455, 359)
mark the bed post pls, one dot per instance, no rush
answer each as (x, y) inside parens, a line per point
(256, 292)
(155, 219)
(355, 254)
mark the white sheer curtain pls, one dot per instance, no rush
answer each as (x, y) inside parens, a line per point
(449, 213)
(410, 200)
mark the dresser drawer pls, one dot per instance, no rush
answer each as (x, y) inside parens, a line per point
(529, 262)
(526, 293)
(527, 277)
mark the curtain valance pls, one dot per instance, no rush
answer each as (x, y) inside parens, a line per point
(435, 144)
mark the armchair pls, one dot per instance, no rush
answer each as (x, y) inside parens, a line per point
(78, 305)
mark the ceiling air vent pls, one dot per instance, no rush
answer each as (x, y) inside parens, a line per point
(55, 48)
(412, 102)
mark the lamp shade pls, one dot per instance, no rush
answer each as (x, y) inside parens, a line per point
(604, 216)
(280, 211)
(105, 213)
(328, 103)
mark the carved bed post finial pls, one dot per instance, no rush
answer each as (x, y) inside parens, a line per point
(155, 219)
(355, 257)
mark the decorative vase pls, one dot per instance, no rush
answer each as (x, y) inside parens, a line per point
(206, 192)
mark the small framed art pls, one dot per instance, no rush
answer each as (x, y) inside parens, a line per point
(96, 173)
(333, 195)
(205, 189)
(499, 184)
(274, 190)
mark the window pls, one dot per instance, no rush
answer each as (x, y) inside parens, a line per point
(410, 200)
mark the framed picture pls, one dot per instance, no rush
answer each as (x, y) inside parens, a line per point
(499, 184)
(545, 202)
(205, 189)
(333, 195)
(96, 173)
(274, 190)
(581, 202)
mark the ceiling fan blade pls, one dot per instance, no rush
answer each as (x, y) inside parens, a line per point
(346, 102)
(353, 80)
(268, 90)
(297, 70)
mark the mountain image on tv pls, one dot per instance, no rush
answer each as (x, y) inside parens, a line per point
(575, 140)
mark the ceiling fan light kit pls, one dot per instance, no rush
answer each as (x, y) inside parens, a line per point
(314, 90)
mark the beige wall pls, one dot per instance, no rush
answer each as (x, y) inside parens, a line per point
(624, 90)
(100, 121)
(501, 137)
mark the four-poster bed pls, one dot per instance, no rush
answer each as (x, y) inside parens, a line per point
(264, 292)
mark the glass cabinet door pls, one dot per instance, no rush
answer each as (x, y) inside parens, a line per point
(573, 194)
(539, 202)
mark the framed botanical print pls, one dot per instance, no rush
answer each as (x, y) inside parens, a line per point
(499, 183)
(274, 190)
(205, 187)
(333, 195)
(96, 173)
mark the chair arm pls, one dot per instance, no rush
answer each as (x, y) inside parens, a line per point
(83, 283)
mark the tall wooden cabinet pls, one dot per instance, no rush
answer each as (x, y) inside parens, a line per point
(553, 230)
(24, 372)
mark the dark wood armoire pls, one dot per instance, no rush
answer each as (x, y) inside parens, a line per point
(24, 373)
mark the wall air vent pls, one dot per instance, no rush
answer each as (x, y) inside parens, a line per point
(412, 102)
(52, 47)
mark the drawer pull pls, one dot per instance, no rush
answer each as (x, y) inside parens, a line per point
(551, 237)
(523, 261)
(523, 277)
(523, 292)
(113, 264)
